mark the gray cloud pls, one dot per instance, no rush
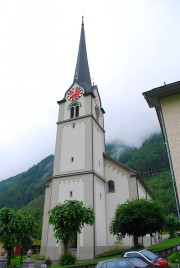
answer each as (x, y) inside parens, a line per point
(132, 47)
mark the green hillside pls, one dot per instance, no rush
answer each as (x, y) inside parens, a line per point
(150, 160)
(147, 160)
(18, 191)
(162, 188)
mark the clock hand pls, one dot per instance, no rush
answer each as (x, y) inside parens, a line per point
(73, 94)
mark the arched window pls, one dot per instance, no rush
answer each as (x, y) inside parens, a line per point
(74, 110)
(111, 187)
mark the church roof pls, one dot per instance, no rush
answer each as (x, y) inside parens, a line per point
(82, 73)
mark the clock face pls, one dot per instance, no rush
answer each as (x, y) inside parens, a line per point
(75, 93)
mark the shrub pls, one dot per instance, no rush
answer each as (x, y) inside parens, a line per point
(67, 258)
(40, 257)
(174, 258)
(171, 225)
(48, 262)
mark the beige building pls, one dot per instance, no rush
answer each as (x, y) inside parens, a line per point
(83, 171)
(166, 101)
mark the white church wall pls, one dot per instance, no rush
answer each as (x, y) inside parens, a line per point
(141, 190)
(73, 148)
(49, 246)
(99, 118)
(98, 147)
(88, 105)
(61, 112)
(57, 151)
(72, 189)
(100, 213)
(133, 188)
(121, 194)
(47, 203)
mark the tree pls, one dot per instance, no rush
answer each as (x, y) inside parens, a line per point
(171, 225)
(26, 229)
(8, 234)
(68, 219)
(16, 227)
(138, 218)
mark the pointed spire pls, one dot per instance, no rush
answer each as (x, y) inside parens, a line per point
(82, 73)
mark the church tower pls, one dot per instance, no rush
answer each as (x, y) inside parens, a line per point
(78, 172)
(82, 171)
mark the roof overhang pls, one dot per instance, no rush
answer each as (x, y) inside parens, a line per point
(153, 96)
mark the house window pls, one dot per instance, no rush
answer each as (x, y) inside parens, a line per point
(74, 110)
(111, 187)
(70, 194)
(72, 159)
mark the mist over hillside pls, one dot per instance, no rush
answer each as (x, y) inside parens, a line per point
(150, 161)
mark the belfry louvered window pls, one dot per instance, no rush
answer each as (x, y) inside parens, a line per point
(74, 110)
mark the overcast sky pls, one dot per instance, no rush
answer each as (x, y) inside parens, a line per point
(132, 45)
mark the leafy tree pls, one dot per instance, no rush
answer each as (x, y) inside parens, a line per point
(8, 234)
(26, 228)
(16, 227)
(68, 219)
(171, 224)
(138, 218)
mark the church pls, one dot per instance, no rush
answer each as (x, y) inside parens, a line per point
(82, 170)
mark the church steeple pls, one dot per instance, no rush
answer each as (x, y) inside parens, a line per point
(82, 74)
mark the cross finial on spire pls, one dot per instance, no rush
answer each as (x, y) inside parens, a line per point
(82, 20)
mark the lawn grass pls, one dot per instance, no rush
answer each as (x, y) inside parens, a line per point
(16, 260)
(158, 247)
(165, 244)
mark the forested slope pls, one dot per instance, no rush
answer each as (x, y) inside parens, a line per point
(162, 188)
(150, 160)
(147, 160)
(18, 191)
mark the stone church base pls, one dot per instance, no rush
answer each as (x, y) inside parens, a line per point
(52, 252)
